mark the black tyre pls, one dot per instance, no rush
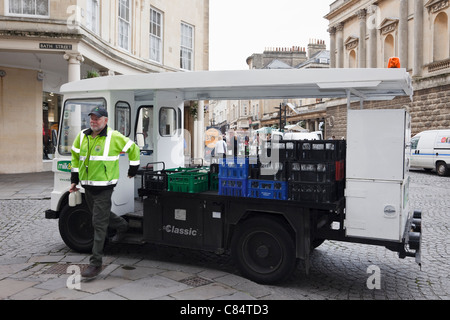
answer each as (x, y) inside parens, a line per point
(442, 169)
(264, 250)
(75, 228)
(316, 243)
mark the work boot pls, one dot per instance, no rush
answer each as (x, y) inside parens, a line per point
(120, 234)
(91, 271)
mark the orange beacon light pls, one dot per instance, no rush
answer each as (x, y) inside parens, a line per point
(394, 62)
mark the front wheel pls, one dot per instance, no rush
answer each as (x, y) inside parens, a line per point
(75, 228)
(264, 250)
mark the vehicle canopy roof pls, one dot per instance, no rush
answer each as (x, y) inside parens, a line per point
(353, 83)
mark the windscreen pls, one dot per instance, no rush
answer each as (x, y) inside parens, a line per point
(75, 118)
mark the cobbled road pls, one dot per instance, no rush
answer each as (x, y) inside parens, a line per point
(338, 270)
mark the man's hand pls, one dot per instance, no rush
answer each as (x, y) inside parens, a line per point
(132, 171)
(73, 188)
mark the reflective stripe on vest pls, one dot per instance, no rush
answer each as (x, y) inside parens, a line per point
(99, 183)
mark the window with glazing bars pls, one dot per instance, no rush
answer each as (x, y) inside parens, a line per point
(29, 7)
(187, 47)
(92, 15)
(156, 25)
(124, 24)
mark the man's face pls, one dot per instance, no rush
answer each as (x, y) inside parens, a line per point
(98, 123)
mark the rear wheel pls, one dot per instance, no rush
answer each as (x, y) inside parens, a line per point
(264, 250)
(441, 168)
(75, 228)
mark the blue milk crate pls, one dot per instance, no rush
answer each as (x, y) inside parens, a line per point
(268, 189)
(234, 168)
(236, 187)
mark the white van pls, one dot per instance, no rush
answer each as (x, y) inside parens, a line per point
(301, 136)
(431, 150)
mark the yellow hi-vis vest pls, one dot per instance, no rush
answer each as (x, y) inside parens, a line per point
(96, 160)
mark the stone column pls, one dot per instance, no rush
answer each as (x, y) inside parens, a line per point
(372, 43)
(418, 38)
(332, 31)
(362, 38)
(403, 34)
(340, 45)
(74, 70)
(199, 134)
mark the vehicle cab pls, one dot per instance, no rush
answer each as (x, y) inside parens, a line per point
(154, 122)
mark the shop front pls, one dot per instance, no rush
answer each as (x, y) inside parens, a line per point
(30, 105)
(51, 111)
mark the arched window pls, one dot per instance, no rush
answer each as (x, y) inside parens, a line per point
(389, 48)
(440, 37)
(352, 61)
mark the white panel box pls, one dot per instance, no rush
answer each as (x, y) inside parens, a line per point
(376, 144)
(376, 209)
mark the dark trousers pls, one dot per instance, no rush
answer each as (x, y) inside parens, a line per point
(99, 203)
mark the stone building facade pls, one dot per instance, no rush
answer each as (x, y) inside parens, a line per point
(254, 114)
(366, 33)
(46, 43)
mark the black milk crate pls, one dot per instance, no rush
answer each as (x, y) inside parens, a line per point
(158, 179)
(214, 168)
(311, 171)
(316, 192)
(273, 171)
(321, 150)
(279, 150)
(282, 150)
(155, 180)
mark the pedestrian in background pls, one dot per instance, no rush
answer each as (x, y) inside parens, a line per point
(95, 165)
(220, 150)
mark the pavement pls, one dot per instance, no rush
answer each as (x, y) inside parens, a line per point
(35, 264)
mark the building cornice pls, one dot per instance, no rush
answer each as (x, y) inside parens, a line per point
(79, 34)
(388, 25)
(340, 9)
(434, 6)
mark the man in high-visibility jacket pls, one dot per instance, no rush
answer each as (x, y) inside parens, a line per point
(95, 165)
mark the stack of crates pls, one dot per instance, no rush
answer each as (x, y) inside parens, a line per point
(181, 179)
(233, 176)
(248, 177)
(305, 170)
(268, 177)
(317, 173)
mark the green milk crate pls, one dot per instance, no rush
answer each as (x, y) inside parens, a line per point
(188, 181)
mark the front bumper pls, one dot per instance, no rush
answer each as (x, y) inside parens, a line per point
(51, 214)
